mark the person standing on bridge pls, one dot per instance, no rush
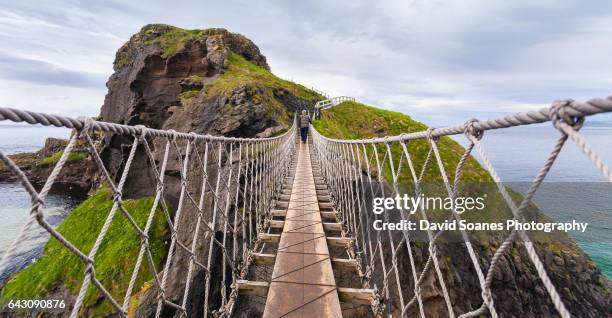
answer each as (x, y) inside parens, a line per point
(304, 122)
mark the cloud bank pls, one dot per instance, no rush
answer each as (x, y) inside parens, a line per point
(441, 62)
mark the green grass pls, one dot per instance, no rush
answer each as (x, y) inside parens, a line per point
(175, 39)
(22, 160)
(122, 57)
(352, 120)
(190, 94)
(196, 78)
(114, 261)
(242, 72)
(262, 85)
(55, 157)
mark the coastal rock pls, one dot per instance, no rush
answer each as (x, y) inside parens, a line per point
(75, 178)
(203, 81)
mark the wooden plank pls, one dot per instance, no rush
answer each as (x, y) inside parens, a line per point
(339, 263)
(345, 264)
(329, 214)
(332, 226)
(356, 295)
(303, 283)
(277, 212)
(339, 241)
(246, 287)
(281, 204)
(264, 259)
(323, 192)
(269, 238)
(277, 224)
(324, 198)
(326, 206)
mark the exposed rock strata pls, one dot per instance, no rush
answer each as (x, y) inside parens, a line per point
(151, 88)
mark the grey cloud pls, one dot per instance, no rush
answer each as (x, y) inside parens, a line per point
(16, 68)
(461, 59)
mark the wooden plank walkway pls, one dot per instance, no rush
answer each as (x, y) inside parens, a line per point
(303, 283)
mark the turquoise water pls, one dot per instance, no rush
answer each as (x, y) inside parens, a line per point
(14, 210)
(574, 188)
(15, 201)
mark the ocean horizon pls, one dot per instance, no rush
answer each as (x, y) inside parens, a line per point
(574, 189)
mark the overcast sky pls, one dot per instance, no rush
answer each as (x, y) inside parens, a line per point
(440, 61)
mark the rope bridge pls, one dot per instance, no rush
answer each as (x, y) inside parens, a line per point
(246, 190)
(242, 176)
(348, 167)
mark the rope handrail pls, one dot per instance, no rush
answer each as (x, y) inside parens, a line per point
(240, 179)
(349, 166)
(30, 117)
(572, 109)
(228, 187)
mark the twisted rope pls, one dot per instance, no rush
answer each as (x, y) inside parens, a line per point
(567, 116)
(184, 146)
(251, 182)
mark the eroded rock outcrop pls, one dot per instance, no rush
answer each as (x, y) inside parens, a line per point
(75, 178)
(203, 81)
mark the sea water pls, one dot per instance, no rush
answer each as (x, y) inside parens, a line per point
(574, 189)
(15, 201)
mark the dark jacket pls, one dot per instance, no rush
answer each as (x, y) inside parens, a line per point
(304, 120)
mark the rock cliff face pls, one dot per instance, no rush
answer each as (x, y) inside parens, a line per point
(203, 81)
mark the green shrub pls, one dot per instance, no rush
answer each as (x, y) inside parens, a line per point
(242, 72)
(175, 39)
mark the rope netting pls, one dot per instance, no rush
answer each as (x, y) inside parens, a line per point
(358, 170)
(228, 185)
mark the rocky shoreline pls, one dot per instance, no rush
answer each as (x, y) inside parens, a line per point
(75, 179)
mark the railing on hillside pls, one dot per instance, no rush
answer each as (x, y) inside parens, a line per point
(324, 94)
(359, 169)
(329, 103)
(227, 184)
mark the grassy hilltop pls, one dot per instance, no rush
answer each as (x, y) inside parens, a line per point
(353, 120)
